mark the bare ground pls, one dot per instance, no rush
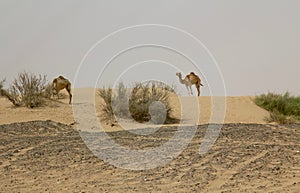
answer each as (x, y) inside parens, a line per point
(45, 156)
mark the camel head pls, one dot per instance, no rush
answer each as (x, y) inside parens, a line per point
(54, 92)
(179, 74)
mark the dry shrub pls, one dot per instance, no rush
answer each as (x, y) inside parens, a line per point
(5, 93)
(28, 90)
(1, 87)
(106, 95)
(143, 103)
(48, 91)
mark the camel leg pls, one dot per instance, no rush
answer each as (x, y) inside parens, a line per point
(187, 88)
(53, 92)
(191, 90)
(70, 98)
(198, 89)
(70, 95)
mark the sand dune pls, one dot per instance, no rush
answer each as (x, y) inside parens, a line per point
(238, 110)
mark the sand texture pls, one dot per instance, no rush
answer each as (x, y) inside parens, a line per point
(42, 151)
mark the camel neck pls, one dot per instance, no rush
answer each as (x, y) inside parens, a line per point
(181, 80)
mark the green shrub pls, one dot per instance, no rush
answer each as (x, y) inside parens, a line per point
(280, 118)
(143, 103)
(283, 108)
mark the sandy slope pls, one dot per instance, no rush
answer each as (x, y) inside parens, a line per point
(46, 156)
(238, 110)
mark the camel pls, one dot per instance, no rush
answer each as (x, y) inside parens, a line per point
(60, 83)
(189, 80)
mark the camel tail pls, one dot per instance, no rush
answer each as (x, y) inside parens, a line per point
(199, 83)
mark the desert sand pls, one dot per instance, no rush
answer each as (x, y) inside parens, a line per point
(238, 110)
(42, 151)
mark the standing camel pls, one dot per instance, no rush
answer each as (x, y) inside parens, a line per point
(60, 83)
(189, 80)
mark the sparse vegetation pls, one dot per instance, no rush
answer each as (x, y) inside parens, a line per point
(48, 91)
(143, 102)
(283, 108)
(5, 93)
(27, 90)
(106, 95)
(1, 87)
(166, 87)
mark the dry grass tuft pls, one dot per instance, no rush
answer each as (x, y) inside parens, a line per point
(144, 103)
(28, 90)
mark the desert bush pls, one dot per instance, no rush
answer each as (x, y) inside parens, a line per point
(1, 87)
(48, 91)
(28, 90)
(283, 108)
(106, 95)
(5, 93)
(143, 103)
(166, 87)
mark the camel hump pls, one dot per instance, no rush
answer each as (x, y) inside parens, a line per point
(61, 77)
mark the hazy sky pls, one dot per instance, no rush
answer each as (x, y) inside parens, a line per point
(255, 43)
